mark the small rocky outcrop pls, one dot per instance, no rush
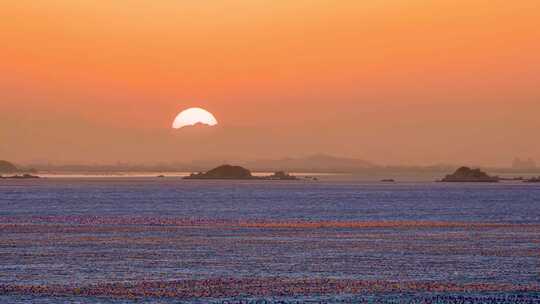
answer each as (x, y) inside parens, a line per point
(281, 175)
(468, 175)
(532, 180)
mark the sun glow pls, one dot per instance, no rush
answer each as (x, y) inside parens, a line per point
(193, 116)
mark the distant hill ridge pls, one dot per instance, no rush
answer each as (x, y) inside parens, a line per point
(7, 167)
(317, 162)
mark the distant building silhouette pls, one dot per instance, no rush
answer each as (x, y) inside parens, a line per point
(523, 164)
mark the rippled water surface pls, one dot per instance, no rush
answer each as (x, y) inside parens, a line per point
(119, 240)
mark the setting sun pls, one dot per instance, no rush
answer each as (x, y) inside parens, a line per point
(193, 116)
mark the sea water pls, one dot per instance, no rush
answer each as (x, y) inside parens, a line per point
(67, 234)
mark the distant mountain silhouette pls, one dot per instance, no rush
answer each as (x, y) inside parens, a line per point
(7, 167)
(313, 163)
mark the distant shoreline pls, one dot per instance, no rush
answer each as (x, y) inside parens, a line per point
(322, 176)
(171, 174)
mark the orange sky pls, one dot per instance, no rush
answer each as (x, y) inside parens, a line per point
(391, 81)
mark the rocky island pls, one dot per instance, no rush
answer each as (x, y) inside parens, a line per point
(237, 173)
(223, 172)
(468, 175)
